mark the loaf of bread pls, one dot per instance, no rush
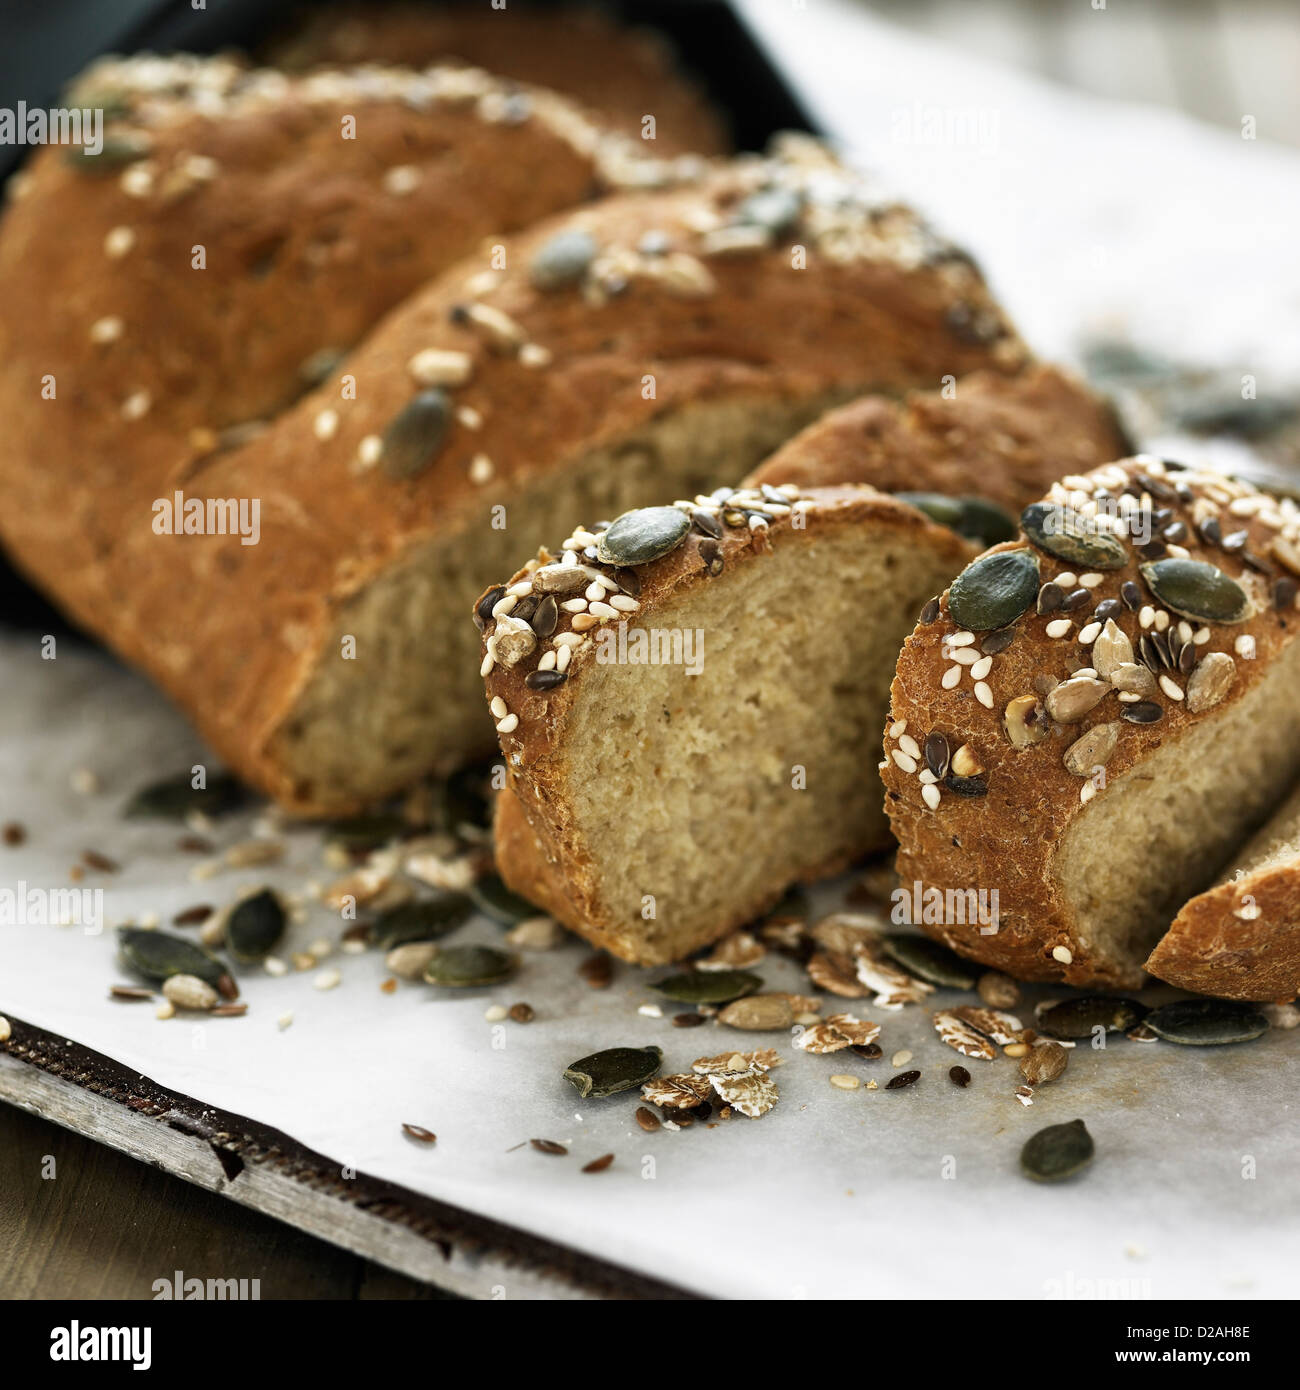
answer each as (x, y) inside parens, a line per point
(622, 75)
(1092, 718)
(1003, 439)
(688, 701)
(1241, 938)
(648, 342)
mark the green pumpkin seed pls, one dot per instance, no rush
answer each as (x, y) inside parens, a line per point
(462, 803)
(158, 956)
(1069, 535)
(415, 434)
(1080, 1018)
(466, 967)
(1194, 589)
(115, 152)
(563, 260)
(174, 798)
(638, 537)
(254, 927)
(424, 920)
(994, 590)
(929, 960)
(971, 517)
(773, 209)
(709, 986)
(495, 900)
(360, 834)
(1057, 1152)
(614, 1070)
(1206, 1022)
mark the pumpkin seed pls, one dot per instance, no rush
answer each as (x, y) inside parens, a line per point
(613, 1070)
(994, 590)
(158, 956)
(971, 517)
(759, 1013)
(114, 153)
(1206, 1022)
(466, 967)
(929, 960)
(360, 834)
(1079, 1018)
(773, 209)
(415, 434)
(495, 900)
(562, 260)
(426, 919)
(174, 798)
(1069, 535)
(462, 801)
(1057, 1152)
(709, 986)
(254, 927)
(638, 537)
(1193, 589)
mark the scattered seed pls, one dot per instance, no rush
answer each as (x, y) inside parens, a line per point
(1057, 1152)
(192, 916)
(14, 833)
(904, 1078)
(998, 991)
(959, 1076)
(1044, 1062)
(1080, 1018)
(845, 1081)
(491, 896)
(157, 956)
(255, 926)
(425, 919)
(647, 1119)
(189, 992)
(549, 1146)
(687, 1020)
(709, 987)
(759, 1013)
(1206, 1022)
(418, 1132)
(597, 971)
(469, 967)
(1194, 589)
(929, 960)
(613, 1070)
(522, 1013)
(598, 1165)
(130, 992)
(228, 1011)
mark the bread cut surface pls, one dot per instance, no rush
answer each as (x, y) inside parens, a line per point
(1094, 763)
(1005, 439)
(1241, 938)
(670, 800)
(651, 341)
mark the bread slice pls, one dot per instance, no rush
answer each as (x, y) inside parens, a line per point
(648, 343)
(623, 75)
(1013, 772)
(1241, 938)
(670, 801)
(1004, 439)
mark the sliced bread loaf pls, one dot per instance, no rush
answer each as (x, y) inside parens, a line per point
(1241, 938)
(1092, 717)
(688, 704)
(1003, 439)
(651, 341)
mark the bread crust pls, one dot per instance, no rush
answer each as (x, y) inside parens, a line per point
(541, 849)
(1008, 838)
(1006, 439)
(236, 633)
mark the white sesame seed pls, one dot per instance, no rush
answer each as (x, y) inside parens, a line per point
(965, 656)
(845, 1081)
(930, 795)
(574, 605)
(1162, 620)
(547, 660)
(562, 658)
(950, 677)
(469, 417)
(440, 367)
(1170, 688)
(1090, 580)
(567, 639)
(535, 355)
(603, 610)
(582, 622)
(981, 668)
(273, 965)
(983, 694)
(328, 979)
(137, 181)
(1087, 792)
(1179, 552)
(903, 761)
(1063, 953)
(650, 1011)
(84, 781)
(900, 1058)
(118, 242)
(624, 604)
(1245, 647)
(106, 330)
(489, 661)
(326, 424)
(370, 450)
(401, 179)
(1089, 634)
(1129, 697)
(520, 590)
(499, 707)
(594, 590)
(1058, 627)
(909, 746)
(165, 1010)
(1146, 615)
(926, 776)
(136, 405)
(898, 728)
(961, 639)
(494, 1013)
(1067, 579)
(284, 1021)
(1089, 671)
(508, 725)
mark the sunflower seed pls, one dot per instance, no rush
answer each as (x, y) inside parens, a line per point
(1111, 650)
(1093, 750)
(613, 1070)
(936, 755)
(1072, 699)
(1143, 712)
(1080, 1018)
(1045, 1062)
(414, 436)
(1211, 679)
(408, 962)
(1057, 1152)
(994, 590)
(929, 960)
(1071, 536)
(709, 987)
(638, 537)
(1206, 1022)
(158, 956)
(426, 919)
(255, 927)
(467, 967)
(492, 898)
(1133, 679)
(1194, 589)
(133, 993)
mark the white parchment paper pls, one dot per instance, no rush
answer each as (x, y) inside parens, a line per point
(1079, 211)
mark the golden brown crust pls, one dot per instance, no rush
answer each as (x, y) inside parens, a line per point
(235, 632)
(1005, 439)
(621, 74)
(1004, 832)
(541, 850)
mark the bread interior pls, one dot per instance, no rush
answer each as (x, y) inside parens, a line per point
(1161, 832)
(708, 794)
(412, 701)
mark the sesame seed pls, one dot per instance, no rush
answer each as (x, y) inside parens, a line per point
(1089, 634)
(845, 1081)
(603, 610)
(503, 606)
(1170, 688)
(469, 417)
(508, 725)
(439, 367)
(582, 622)
(1063, 954)
(136, 405)
(547, 661)
(401, 179)
(903, 761)
(965, 656)
(909, 746)
(489, 661)
(494, 1013)
(370, 450)
(1058, 627)
(930, 795)
(1162, 620)
(981, 668)
(950, 677)
(594, 590)
(1146, 615)
(535, 355)
(118, 242)
(563, 657)
(567, 639)
(961, 639)
(137, 181)
(326, 424)
(624, 604)
(106, 330)
(1087, 792)
(1245, 647)
(1090, 580)
(574, 605)
(1067, 579)
(499, 707)
(983, 694)
(900, 1058)
(1201, 636)
(520, 590)
(328, 979)
(898, 728)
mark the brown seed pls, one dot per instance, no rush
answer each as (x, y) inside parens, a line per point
(598, 971)
(1073, 698)
(869, 1051)
(1092, 750)
(132, 992)
(228, 1010)
(14, 833)
(425, 1136)
(522, 1013)
(192, 916)
(227, 988)
(549, 1146)
(1025, 721)
(760, 1013)
(959, 1076)
(598, 1165)
(904, 1078)
(94, 860)
(647, 1119)
(388, 985)
(194, 844)
(687, 1020)
(1210, 682)
(998, 991)
(1045, 1062)
(358, 931)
